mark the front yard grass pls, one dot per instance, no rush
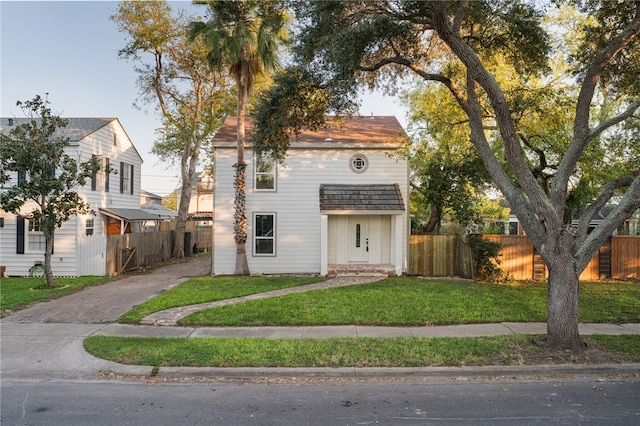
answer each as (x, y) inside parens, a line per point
(209, 289)
(352, 352)
(407, 301)
(17, 293)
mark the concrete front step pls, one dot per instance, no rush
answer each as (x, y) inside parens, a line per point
(361, 270)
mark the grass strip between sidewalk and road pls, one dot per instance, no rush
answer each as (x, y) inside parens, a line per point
(352, 352)
(18, 293)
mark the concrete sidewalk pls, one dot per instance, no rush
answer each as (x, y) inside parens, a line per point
(316, 332)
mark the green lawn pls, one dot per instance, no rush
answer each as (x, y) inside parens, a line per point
(209, 289)
(343, 352)
(407, 301)
(17, 293)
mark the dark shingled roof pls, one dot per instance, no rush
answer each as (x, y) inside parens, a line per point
(361, 197)
(77, 129)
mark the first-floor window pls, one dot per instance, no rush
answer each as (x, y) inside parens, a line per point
(36, 241)
(264, 234)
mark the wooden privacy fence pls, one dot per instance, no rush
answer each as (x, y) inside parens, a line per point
(449, 255)
(130, 251)
(439, 256)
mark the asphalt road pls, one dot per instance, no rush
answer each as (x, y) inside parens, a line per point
(504, 402)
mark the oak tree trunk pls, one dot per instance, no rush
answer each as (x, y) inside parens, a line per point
(563, 305)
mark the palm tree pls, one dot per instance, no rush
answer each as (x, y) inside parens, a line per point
(246, 36)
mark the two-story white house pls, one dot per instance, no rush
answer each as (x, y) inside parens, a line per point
(338, 204)
(113, 194)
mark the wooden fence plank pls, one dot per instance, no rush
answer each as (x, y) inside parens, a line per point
(625, 257)
(516, 256)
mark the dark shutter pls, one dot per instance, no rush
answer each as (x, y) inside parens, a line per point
(22, 176)
(94, 176)
(20, 235)
(107, 173)
(121, 177)
(131, 180)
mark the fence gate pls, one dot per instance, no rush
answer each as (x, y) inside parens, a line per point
(92, 254)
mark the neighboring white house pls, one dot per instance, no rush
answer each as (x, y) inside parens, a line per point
(339, 203)
(152, 203)
(201, 201)
(80, 244)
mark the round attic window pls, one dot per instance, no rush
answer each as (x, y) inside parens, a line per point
(359, 163)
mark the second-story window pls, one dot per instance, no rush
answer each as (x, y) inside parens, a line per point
(126, 178)
(96, 177)
(265, 175)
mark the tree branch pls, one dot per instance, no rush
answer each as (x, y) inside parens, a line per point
(605, 195)
(581, 134)
(628, 113)
(630, 202)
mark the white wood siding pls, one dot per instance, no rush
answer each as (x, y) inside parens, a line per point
(63, 261)
(296, 204)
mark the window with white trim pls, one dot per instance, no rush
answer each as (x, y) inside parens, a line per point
(264, 234)
(126, 178)
(36, 242)
(265, 175)
(89, 226)
(359, 163)
(96, 177)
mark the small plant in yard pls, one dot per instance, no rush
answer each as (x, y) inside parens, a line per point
(486, 259)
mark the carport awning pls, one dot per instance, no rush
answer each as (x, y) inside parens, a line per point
(131, 215)
(361, 197)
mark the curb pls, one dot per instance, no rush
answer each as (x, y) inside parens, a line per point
(440, 373)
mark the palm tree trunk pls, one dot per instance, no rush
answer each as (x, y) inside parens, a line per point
(240, 225)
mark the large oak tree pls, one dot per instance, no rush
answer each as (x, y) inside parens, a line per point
(379, 42)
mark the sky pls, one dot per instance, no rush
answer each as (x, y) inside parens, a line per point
(69, 49)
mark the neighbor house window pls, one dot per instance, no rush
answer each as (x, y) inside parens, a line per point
(36, 242)
(126, 178)
(264, 234)
(96, 177)
(265, 175)
(89, 226)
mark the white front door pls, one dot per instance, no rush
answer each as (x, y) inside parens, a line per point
(359, 239)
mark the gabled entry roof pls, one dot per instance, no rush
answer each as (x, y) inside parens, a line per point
(361, 197)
